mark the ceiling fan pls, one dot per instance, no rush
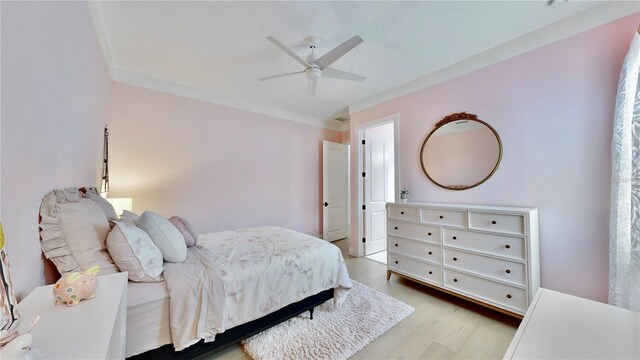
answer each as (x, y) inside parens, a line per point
(319, 67)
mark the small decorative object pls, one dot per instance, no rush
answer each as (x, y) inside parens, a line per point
(76, 286)
(404, 193)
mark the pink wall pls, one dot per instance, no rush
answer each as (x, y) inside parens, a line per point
(461, 157)
(553, 108)
(219, 167)
(344, 136)
(55, 95)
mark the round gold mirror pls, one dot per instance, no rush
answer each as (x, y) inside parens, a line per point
(461, 153)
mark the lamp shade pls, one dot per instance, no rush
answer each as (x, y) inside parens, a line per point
(121, 204)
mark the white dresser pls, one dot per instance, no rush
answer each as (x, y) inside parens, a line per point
(487, 254)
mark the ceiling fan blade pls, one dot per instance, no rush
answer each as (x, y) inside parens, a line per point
(327, 59)
(284, 48)
(313, 83)
(280, 75)
(339, 74)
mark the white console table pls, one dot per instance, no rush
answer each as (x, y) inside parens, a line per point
(92, 329)
(561, 326)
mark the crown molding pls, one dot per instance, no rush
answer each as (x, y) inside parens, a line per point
(573, 25)
(150, 82)
(153, 83)
(95, 10)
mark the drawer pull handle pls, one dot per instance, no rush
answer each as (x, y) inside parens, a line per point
(508, 296)
(395, 228)
(429, 234)
(507, 246)
(401, 212)
(396, 261)
(430, 253)
(455, 259)
(430, 272)
(455, 280)
(454, 238)
(494, 222)
(397, 245)
(441, 217)
(508, 271)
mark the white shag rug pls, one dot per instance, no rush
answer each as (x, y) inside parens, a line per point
(334, 333)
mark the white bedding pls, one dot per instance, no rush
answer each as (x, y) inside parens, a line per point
(147, 317)
(234, 277)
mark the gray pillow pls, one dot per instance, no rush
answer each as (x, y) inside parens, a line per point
(165, 235)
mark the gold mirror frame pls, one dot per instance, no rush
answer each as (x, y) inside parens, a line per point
(458, 117)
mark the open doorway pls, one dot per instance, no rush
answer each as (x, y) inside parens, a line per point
(378, 166)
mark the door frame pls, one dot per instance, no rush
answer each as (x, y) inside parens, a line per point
(360, 128)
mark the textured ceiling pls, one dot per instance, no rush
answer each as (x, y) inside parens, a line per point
(219, 48)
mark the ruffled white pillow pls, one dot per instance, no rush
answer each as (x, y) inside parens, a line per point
(133, 251)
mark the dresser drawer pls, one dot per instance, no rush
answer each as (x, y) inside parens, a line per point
(499, 294)
(509, 224)
(404, 213)
(414, 268)
(507, 246)
(416, 248)
(495, 268)
(414, 231)
(444, 217)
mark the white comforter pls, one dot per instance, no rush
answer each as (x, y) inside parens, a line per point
(234, 277)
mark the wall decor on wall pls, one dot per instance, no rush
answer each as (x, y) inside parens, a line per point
(461, 152)
(104, 184)
(8, 302)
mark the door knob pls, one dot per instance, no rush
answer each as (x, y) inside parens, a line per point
(326, 204)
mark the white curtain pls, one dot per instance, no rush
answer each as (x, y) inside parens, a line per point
(624, 237)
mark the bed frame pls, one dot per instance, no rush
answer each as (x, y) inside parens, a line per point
(240, 332)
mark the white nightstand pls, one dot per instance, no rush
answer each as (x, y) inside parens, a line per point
(93, 329)
(561, 326)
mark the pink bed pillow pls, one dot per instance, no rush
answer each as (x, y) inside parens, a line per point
(185, 228)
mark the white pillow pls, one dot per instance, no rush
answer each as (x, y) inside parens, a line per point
(165, 235)
(133, 251)
(106, 206)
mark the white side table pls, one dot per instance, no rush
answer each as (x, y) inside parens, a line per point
(561, 326)
(92, 329)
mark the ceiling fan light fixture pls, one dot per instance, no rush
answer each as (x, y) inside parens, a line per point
(313, 73)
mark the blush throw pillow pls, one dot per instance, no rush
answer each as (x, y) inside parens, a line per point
(165, 235)
(185, 228)
(133, 251)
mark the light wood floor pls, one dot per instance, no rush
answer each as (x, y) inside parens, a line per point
(442, 327)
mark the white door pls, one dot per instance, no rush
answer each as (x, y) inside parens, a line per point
(334, 191)
(376, 158)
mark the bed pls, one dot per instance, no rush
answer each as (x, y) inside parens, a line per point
(233, 284)
(267, 274)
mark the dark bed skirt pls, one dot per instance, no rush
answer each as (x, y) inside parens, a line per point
(238, 333)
